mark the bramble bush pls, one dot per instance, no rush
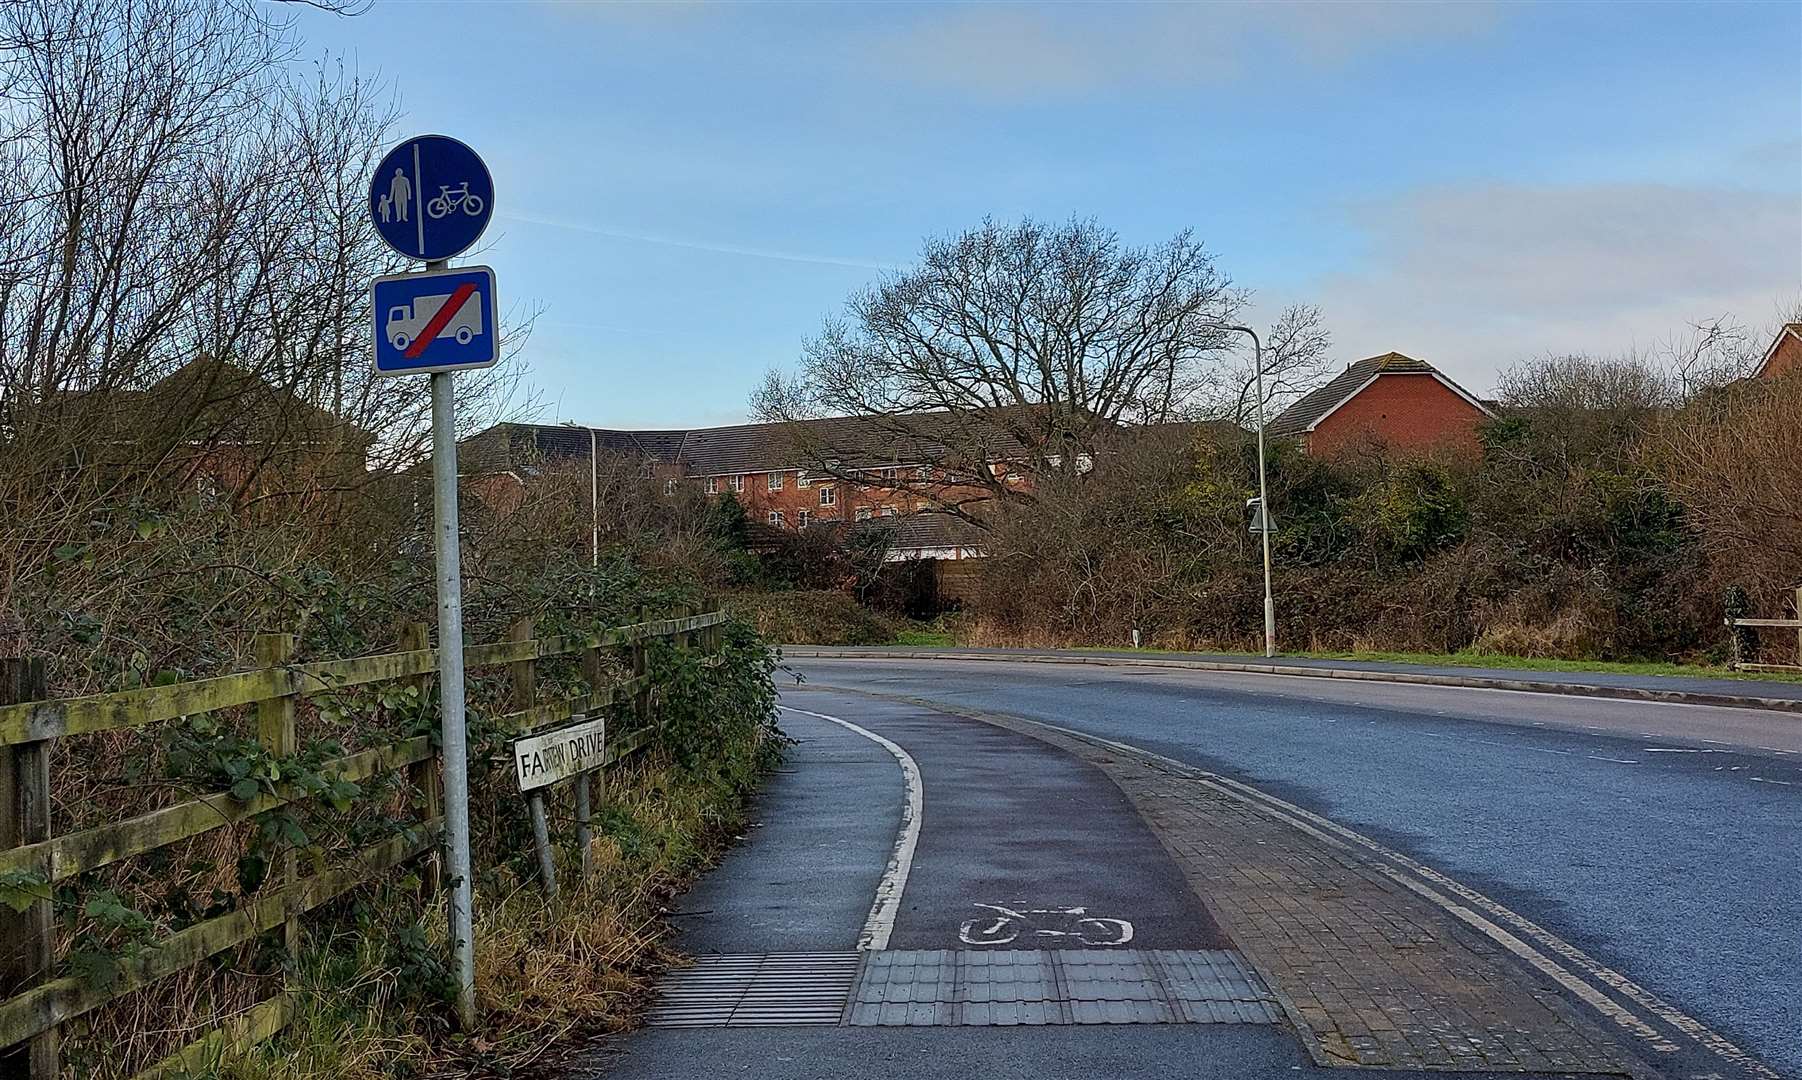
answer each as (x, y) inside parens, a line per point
(1604, 519)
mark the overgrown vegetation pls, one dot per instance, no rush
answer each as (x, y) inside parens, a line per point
(1610, 513)
(193, 452)
(372, 986)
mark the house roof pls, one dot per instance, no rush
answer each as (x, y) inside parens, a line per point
(217, 399)
(1318, 404)
(926, 529)
(1790, 330)
(853, 442)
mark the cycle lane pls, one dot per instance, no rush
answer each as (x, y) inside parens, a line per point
(1022, 846)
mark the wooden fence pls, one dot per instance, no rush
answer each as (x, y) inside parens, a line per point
(40, 1002)
(1741, 663)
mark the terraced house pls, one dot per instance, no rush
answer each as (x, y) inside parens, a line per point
(871, 475)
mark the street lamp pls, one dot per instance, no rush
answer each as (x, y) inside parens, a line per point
(1264, 515)
(594, 497)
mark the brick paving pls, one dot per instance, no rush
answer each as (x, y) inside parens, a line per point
(1370, 973)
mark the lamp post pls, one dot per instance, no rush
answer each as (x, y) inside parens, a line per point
(594, 504)
(594, 497)
(1264, 517)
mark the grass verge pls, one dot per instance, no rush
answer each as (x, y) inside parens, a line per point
(1483, 660)
(552, 976)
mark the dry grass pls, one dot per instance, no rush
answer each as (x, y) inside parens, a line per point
(553, 976)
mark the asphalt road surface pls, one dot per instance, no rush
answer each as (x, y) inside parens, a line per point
(1008, 820)
(1661, 839)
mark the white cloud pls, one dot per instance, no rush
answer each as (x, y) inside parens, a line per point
(1475, 278)
(1018, 51)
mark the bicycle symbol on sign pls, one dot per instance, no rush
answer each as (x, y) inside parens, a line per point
(449, 198)
(1007, 924)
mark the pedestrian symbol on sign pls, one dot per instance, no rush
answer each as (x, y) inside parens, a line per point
(400, 192)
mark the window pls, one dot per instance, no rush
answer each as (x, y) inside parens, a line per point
(713, 485)
(828, 496)
(888, 511)
(803, 519)
(737, 481)
(864, 513)
(776, 517)
(775, 481)
(669, 487)
(803, 480)
(924, 472)
(891, 476)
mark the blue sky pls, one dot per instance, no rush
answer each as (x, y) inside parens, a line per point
(686, 190)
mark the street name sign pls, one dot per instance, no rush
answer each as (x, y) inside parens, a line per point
(431, 197)
(440, 320)
(542, 760)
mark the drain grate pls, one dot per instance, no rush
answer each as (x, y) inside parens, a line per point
(756, 990)
(970, 987)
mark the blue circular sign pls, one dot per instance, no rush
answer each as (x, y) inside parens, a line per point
(431, 197)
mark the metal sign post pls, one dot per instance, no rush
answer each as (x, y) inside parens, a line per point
(454, 729)
(549, 758)
(440, 322)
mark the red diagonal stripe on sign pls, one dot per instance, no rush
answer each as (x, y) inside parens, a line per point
(440, 320)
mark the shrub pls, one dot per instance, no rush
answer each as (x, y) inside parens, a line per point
(814, 617)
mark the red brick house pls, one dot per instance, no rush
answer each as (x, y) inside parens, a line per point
(1784, 355)
(756, 463)
(1390, 402)
(222, 429)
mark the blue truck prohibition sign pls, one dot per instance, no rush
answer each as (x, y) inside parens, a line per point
(442, 320)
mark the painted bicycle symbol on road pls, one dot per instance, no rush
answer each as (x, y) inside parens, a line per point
(449, 198)
(1003, 925)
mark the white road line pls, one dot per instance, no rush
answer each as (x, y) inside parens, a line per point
(1315, 825)
(881, 921)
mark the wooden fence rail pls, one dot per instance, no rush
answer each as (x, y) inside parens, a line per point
(1741, 663)
(37, 1001)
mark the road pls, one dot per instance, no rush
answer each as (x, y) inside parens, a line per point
(1006, 819)
(1660, 839)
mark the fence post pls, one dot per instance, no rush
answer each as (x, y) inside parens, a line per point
(714, 636)
(641, 697)
(524, 674)
(594, 671)
(584, 834)
(417, 637)
(275, 730)
(27, 939)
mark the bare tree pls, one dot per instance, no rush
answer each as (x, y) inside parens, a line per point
(185, 254)
(997, 365)
(1731, 459)
(1295, 362)
(1708, 354)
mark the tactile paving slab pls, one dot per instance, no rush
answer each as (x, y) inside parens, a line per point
(988, 987)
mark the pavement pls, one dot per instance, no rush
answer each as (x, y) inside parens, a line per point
(1757, 693)
(1658, 839)
(1109, 808)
